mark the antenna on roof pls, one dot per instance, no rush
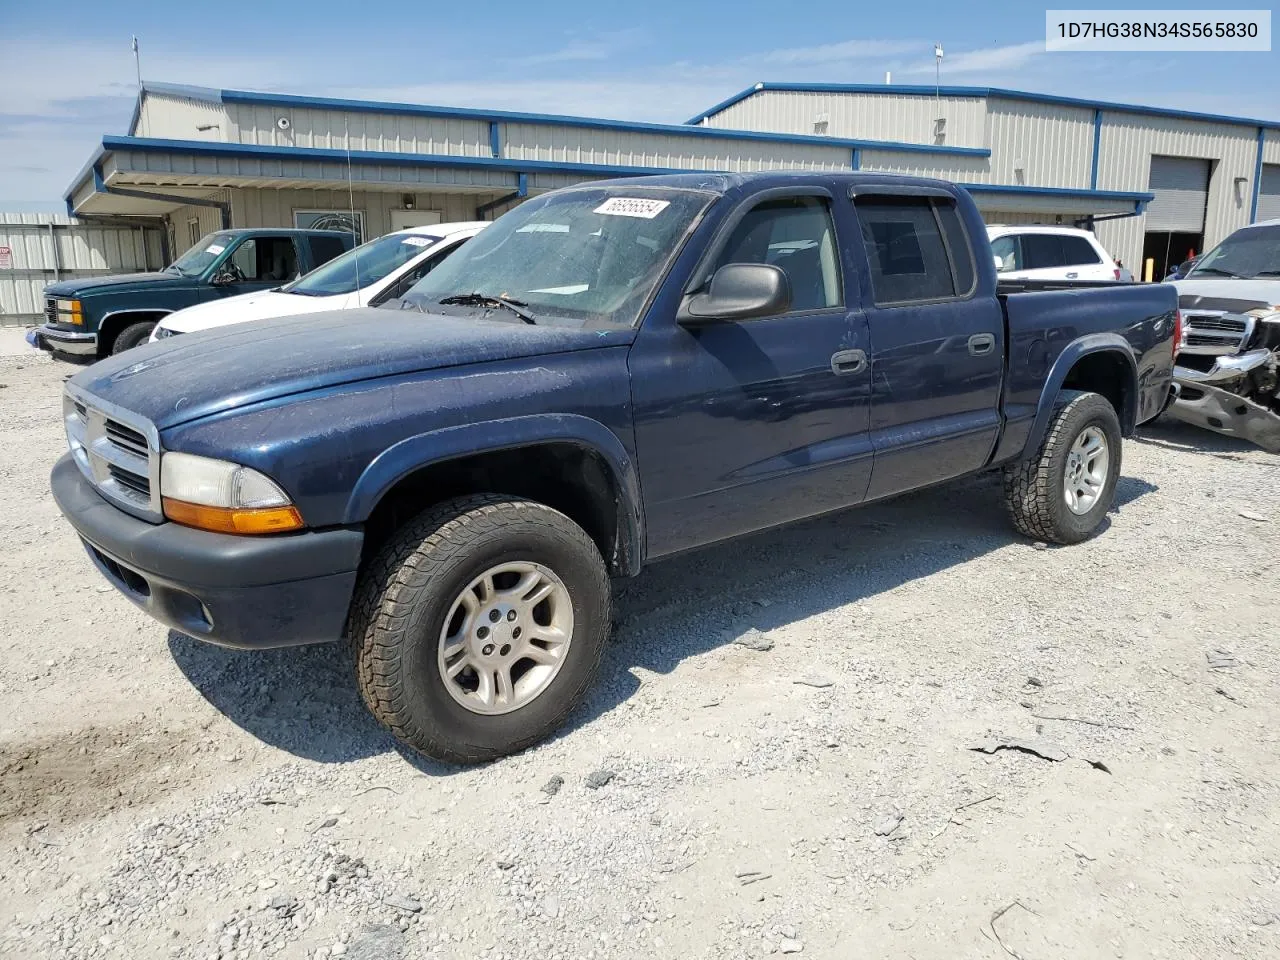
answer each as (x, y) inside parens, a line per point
(137, 63)
(351, 202)
(937, 76)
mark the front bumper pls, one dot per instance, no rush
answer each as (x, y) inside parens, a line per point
(1204, 405)
(66, 341)
(236, 591)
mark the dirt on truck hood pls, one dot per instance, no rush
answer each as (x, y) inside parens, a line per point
(194, 375)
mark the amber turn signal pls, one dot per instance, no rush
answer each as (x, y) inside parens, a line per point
(233, 520)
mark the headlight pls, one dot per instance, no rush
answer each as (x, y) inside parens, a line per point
(224, 497)
(70, 311)
(161, 332)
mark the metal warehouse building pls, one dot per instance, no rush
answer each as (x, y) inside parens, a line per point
(1155, 182)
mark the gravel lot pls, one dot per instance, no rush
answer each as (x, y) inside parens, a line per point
(160, 797)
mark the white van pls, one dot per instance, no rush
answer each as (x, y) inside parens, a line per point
(371, 274)
(1051, 253)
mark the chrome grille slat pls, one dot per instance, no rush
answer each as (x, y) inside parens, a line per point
(1216, 332)
(118, 451)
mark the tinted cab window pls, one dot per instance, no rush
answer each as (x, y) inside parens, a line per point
(1045, 250)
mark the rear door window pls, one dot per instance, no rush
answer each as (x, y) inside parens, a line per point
(916, 248)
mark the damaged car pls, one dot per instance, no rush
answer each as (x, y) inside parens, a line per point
(1228, 367)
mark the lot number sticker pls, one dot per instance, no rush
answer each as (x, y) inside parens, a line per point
(215, 248)
(632, 207)
(417, 241)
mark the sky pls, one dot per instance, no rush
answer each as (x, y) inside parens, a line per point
(68, 75)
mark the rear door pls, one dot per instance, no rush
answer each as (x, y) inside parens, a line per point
(937, 347)
(742, 425)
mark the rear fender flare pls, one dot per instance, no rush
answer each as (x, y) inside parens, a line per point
(439, 446)
(1074, 351)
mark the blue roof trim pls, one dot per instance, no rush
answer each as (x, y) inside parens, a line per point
(207, 94)
(1097, 149)
(594, 123)
(979, 92)
(373, 157)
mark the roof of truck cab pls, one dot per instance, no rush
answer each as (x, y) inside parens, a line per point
(276, 231)
(441, 230)
(724, 182)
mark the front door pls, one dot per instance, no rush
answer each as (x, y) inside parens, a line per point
(937, 344)
(259, 262)
(742, 425)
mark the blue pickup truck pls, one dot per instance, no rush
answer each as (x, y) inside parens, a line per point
(610, 374)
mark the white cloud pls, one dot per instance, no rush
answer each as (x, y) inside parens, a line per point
(988, 60)
(845, 51)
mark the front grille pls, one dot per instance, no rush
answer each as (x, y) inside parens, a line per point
(51, 310)
(1216, 332)
(126, 437)
(131, 481)
(117, 451)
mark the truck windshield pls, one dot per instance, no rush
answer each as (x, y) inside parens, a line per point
(197, 260)
(372, 261)
(1250, 252)
(581, 257)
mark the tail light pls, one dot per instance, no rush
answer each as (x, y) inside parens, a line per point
(1117, 271)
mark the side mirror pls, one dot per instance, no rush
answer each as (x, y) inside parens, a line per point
(1186, 266)
(739, 291)
(222, 278)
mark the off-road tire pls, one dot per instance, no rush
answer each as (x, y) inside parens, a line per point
(1033, 488)
(406, 591)
(131, 336)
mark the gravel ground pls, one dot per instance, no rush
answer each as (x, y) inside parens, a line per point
(810, 789)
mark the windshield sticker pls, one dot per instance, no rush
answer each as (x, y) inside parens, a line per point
(632, 207)
(214, 248)
(417, 241)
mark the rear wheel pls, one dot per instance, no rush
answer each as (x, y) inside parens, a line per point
(480, 626)
(131, 336)
(1063, 493)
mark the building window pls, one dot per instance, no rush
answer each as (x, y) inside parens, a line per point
(193, 231)
(331, 220)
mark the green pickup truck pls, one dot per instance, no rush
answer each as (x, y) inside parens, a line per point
(99, 316)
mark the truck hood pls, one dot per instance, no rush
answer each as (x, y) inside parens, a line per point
(249, 306)
(113, 284)
(180, 379)
(1225, 293)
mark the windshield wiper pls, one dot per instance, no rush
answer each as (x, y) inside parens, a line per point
(1267, 273)
(1220, 272)
(491, 300)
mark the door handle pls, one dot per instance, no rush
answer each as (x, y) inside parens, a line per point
(1072, 275)
(980, 344)
(846, 362)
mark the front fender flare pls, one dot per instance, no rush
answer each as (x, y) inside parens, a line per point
(438, 446)
(1083, 347)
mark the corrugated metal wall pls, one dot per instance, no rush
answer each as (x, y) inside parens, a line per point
(45, 248)
(388, 132)
(1128, 143)
(207, 220)
(525, 141)
(963, 169)
(1051, 145)
(860, 116)
(275, 208)
(179, 118)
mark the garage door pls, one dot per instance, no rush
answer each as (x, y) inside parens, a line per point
(1269, 193)
(1181, 188)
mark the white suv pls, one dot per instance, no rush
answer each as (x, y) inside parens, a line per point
(1051, 253)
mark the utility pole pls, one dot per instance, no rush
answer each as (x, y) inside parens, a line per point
(937, 75)
(137, 63)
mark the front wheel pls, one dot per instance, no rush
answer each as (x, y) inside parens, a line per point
(479, 627)
(131, 336)
(1063, 492)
